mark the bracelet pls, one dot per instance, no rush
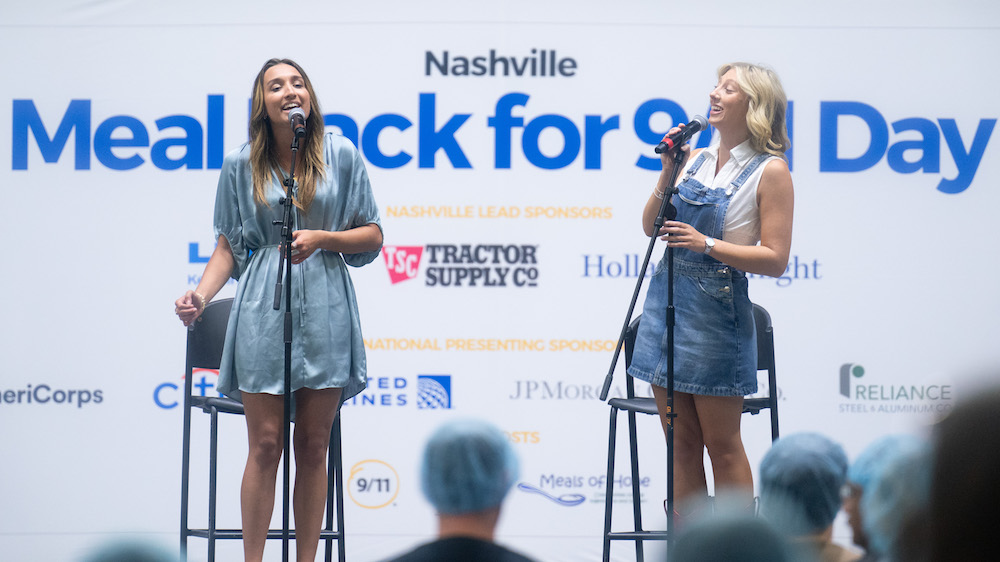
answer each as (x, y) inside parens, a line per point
(657, 193)
(204, 301)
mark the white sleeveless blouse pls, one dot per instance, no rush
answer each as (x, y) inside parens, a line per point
(743, 216)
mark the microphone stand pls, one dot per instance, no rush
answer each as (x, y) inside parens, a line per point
(667, 212)
(285, 262)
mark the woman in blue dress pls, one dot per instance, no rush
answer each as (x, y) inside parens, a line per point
(734, 216)
(336, 223)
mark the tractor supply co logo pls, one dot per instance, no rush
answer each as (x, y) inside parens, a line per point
(464, 265)
(427, 392)
(868, 395)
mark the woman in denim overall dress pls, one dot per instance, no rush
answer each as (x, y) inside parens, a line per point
(734, 194)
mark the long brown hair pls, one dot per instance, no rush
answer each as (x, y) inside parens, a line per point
(264, 152)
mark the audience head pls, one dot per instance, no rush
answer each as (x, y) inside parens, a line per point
(468, 466)
(965, 484)
(800, 479)
(894, 503)
(130, 551)
(865, 469)
(730, 539)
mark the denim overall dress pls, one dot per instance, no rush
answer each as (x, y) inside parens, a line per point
(715, 348)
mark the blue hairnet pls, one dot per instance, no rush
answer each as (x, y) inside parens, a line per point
(730, 539)
(130, 551)
(877, 455)
(468, 466)
(801, 476)
(897, 496)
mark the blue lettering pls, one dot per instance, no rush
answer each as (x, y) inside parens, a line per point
(204, 386)
(369, 141)
(191, 142)
(929, 145)
(347, 126)
(829, 159)
(432, 140)
(789, 127)
(967, 162)
(503, 122)
(161, 403)
(571, 142)
(104, 143)
(598, 267)
(594, 131)
(647, 135)
(194, 254)
(107, 137)
(25, 117)
(216, 126)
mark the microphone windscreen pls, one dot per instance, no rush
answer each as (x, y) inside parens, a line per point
(296, 112)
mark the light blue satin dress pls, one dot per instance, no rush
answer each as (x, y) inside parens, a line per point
(327, 346)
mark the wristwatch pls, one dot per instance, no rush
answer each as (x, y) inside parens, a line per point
(709, 244)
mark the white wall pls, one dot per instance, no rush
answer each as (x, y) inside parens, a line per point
(889, 272)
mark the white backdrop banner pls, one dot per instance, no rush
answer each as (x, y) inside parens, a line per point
(510, 151)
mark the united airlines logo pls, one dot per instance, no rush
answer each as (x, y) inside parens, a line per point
(434, 392)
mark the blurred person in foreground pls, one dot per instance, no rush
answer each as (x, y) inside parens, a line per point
(861, 478)
(468, 466)
(964, 521)
(731, 537)
(894, 506)
(801, 477)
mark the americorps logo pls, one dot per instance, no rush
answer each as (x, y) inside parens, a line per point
(44, 395)
(465, 265)
(866, 394)
(426, 392)
(125, 142)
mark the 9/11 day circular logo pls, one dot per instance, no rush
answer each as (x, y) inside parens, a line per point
(373, 484)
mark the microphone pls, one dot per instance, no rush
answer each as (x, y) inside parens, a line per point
(682, 136)
(297, 119)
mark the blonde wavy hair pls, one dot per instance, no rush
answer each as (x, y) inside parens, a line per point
(766, 111)
(264, 152)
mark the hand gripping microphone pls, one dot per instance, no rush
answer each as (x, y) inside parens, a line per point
(682, 136)
(297, 119)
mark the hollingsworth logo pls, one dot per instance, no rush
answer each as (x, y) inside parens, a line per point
(433, 392)
(628, 266)
(889, 398)
(465, 265)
